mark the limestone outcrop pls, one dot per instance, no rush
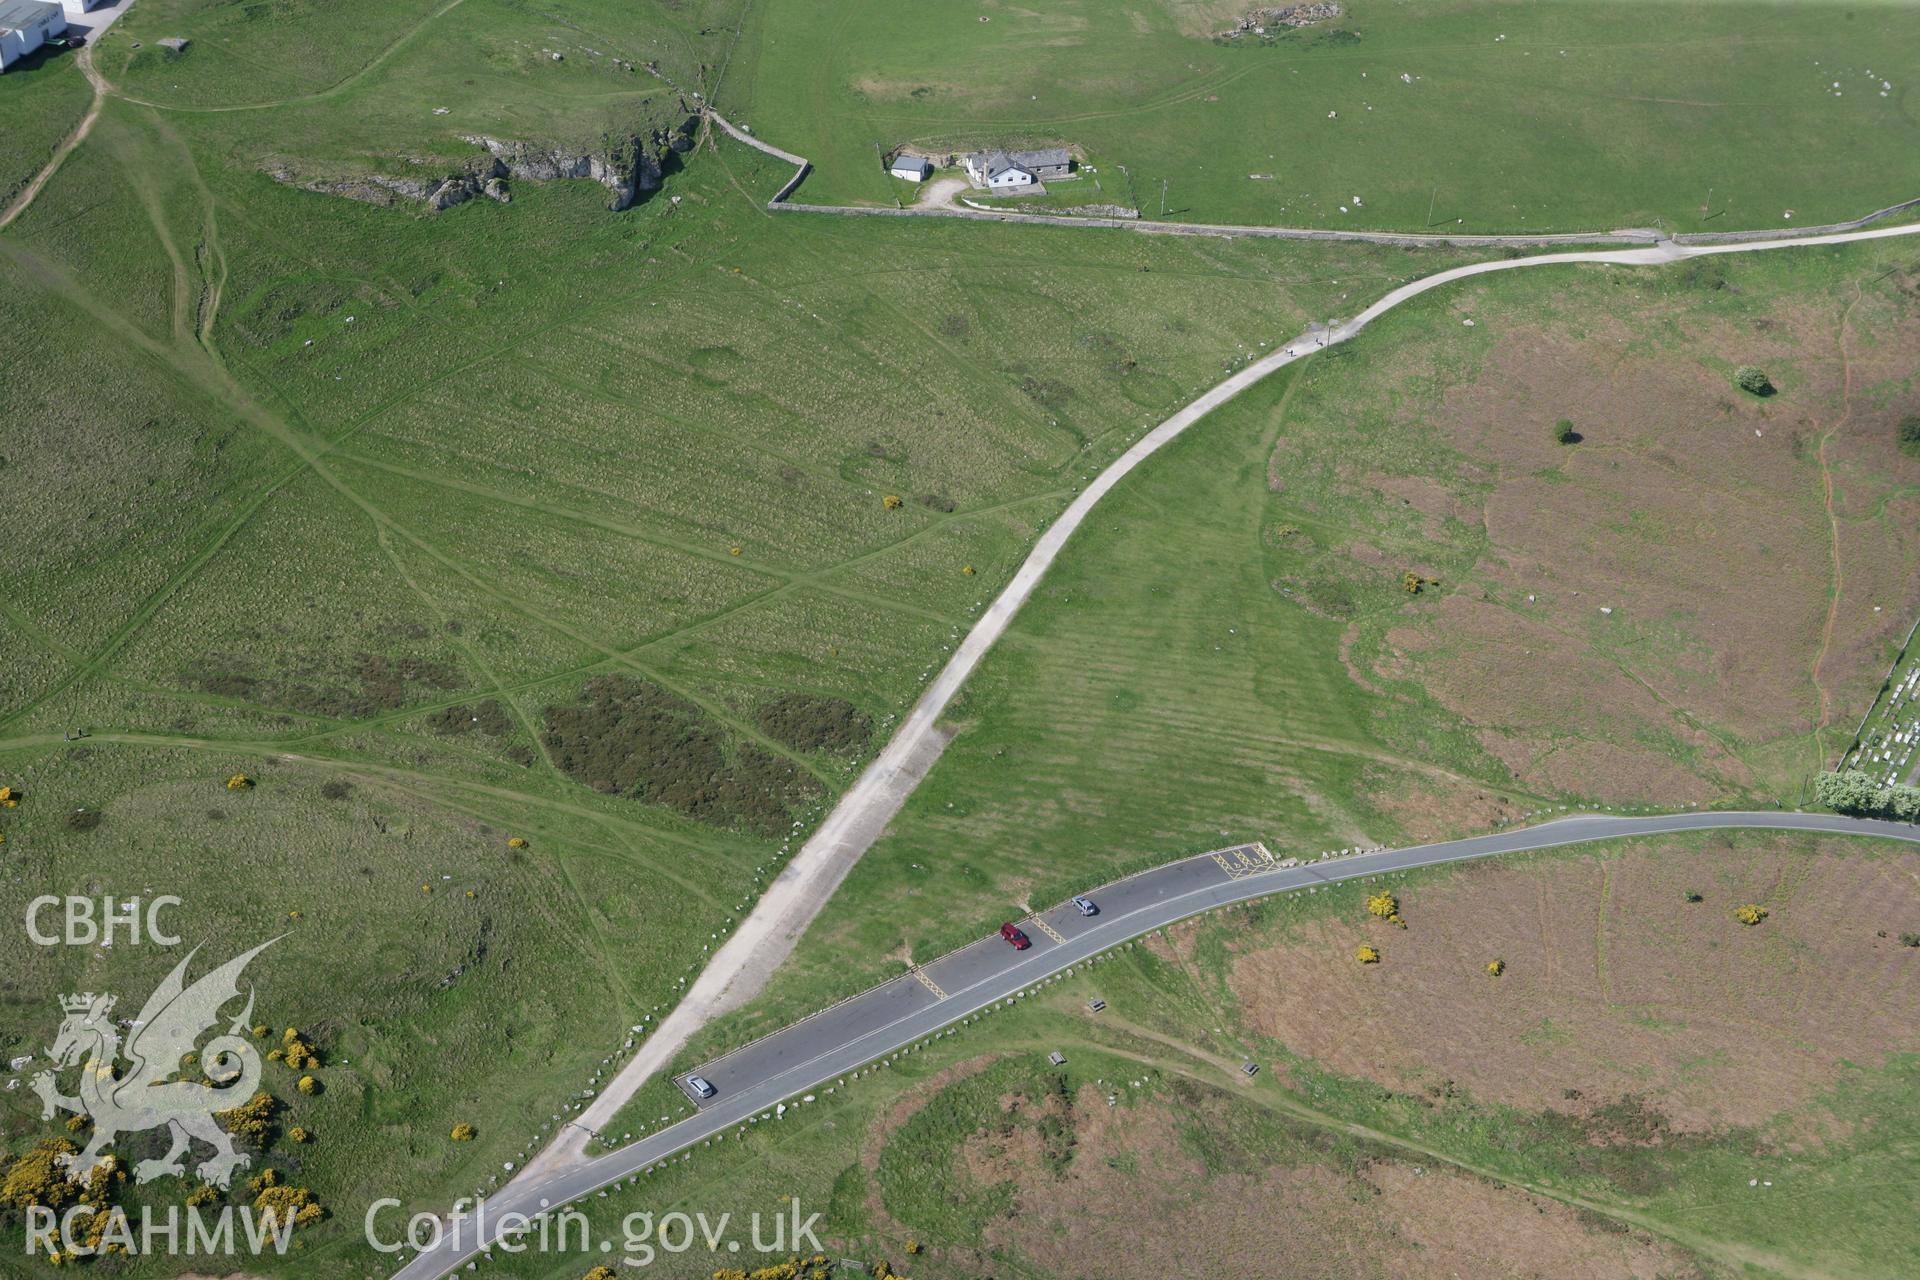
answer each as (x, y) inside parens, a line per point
(628, 167)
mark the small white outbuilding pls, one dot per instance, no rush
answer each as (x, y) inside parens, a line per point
(25, 25)
(912, 168)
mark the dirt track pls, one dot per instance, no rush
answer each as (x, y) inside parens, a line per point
(765, 938)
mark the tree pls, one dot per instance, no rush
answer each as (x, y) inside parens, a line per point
(308, 1085)
(1852, 791)
(1694, 895)
(1908, 433)
(1750, 913)
(1753, 380)
(1910, 939)
(1564, 433)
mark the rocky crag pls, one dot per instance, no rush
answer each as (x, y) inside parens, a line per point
(628, 167)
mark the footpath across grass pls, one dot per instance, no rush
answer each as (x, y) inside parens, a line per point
(1230, 649)
(42, 100)
(522, 521)
(1581, 1102)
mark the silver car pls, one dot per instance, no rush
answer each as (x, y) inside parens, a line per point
(700, 1086)
(1085, 905)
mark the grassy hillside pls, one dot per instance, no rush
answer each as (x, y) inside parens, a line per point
(283, 52)
(522, 521)
(485, 603)
(1649, 1088)
(1483, 116)
(1676, 609)
(41, 99)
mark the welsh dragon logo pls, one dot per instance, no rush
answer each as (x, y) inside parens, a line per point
(149, 1092)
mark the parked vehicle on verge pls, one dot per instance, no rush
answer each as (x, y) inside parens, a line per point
(1085, 905)
(1012, 934)
(700, 1086)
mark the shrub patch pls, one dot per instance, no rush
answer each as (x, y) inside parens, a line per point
(631, 737)
(807, 722)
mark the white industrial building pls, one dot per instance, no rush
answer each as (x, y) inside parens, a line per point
(912, 168)
(25, 25)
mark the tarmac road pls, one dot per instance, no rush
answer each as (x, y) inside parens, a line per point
(758, 945)
(819, 1049)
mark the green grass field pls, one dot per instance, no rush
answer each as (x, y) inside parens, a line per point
(1512, 117)
(478, 513)
(41, 100)
(961, 1145)
(534, 522)
(1227, 651)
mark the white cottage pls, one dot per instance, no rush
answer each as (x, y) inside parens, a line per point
(1005, 170)
(996, 171)
(25, 25)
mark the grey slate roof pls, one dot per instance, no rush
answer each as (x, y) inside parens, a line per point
(994, 163)
(17, 14)
(1047, 158)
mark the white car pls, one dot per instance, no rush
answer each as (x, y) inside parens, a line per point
(700, 1086)
(1085, 905)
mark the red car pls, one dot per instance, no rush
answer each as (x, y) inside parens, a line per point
(1019, 940)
